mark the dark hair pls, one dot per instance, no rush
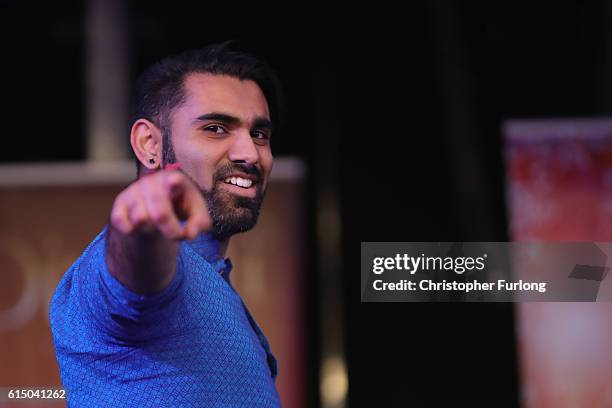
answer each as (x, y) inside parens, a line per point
(159, 89)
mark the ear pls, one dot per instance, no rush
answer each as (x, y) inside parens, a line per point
(146, 140)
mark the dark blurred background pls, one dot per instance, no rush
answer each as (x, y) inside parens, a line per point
(430, 168)
(397, 118)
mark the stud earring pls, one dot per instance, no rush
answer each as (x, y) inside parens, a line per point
(152, 160)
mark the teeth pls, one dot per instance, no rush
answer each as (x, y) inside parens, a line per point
(239, 181)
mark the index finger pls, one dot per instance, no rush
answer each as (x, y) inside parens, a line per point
(190, 203)
(160, 209)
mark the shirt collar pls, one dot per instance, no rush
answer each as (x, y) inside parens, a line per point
(209, 248)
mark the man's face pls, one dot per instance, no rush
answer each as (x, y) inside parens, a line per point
(221, 137)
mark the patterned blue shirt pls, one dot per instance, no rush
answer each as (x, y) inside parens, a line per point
(193, 345)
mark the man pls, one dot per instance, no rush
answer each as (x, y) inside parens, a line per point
(147, 315)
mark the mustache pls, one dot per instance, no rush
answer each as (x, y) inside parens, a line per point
(227, 170)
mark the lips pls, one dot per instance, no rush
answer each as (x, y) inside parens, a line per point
(239, 181)
(240, 184)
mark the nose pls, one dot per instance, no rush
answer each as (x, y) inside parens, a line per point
(243, 150)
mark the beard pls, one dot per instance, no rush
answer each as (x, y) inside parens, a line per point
(230, 214)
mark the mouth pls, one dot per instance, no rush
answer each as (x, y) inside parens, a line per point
(241, 185)
(239, 181)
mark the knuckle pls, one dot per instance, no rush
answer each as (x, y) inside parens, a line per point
(139, 218)
(126, 197)
(175, 178)
(160, 217)
(137, 211)
(116, 218)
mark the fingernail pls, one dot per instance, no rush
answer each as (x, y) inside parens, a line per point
(173, 166)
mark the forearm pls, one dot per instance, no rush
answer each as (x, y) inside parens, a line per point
(144, 262)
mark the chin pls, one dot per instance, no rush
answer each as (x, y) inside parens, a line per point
(233, 220)
(232, 214)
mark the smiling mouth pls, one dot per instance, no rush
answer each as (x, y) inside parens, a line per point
(239, 181)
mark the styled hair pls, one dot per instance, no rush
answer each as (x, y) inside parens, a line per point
(159, 89)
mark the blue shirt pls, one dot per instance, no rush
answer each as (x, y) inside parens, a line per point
(192, 345)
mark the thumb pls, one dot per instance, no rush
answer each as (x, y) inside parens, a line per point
(198, 223)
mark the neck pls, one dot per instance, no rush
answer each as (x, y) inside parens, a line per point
(210, 247)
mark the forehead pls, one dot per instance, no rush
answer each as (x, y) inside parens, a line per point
(206, 93)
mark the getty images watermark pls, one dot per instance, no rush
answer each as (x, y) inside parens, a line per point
(484, 271)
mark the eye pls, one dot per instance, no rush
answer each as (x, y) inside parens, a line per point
(258, 134)
(215, 129)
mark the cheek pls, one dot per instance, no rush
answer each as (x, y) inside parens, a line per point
(200, 165)
(266, 160)
(208, 166)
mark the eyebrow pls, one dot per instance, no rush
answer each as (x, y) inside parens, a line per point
(259, 122)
